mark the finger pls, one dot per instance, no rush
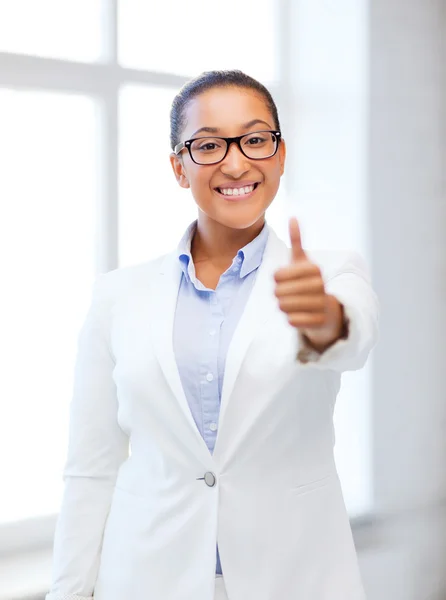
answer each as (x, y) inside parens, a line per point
(297, 270)
(296, 242)
(305, 320)
(312, 304)
(308, 285)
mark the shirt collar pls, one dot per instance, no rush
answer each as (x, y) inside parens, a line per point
(251, 255)
(184, 254)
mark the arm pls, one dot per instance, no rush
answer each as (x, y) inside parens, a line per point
(97, 447)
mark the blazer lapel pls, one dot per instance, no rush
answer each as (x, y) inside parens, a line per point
(259, 308)
(163, 300)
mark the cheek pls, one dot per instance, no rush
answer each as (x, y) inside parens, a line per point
(199, 180)
(272, 176)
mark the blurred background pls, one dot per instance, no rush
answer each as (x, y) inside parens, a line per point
(86, 187)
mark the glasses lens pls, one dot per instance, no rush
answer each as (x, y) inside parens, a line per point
(261, 144)
(206, 151)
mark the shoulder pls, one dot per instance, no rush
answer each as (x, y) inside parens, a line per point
(126, 280)
(332, 262)
(339, 262)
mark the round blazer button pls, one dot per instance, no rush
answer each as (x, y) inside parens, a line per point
(210, 479)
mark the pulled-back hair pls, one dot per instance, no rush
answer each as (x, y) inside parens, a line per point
(207, 81)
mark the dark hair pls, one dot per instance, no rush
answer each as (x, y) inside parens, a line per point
(207, 81)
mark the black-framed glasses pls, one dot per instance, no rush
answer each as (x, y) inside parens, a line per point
(257, 145)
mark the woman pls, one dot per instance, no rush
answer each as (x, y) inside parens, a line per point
(220, 364)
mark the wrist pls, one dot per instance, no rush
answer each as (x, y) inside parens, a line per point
(337, 328)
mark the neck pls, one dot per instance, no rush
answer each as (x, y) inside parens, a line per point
(218, 244)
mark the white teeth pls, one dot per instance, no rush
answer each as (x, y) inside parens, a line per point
(237, 191)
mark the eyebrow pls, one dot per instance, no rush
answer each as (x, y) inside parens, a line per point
(245, 126)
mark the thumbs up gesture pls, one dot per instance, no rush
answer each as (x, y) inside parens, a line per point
(301, 293)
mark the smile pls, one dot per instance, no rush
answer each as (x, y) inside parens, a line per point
(237, 192)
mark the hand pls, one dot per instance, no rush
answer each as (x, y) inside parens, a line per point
(301, 293)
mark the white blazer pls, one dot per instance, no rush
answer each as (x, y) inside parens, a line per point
(144, 525)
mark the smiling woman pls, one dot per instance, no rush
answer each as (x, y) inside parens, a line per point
(220, 364)
(244, 161)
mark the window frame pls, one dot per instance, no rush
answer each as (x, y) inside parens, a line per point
(103, 81)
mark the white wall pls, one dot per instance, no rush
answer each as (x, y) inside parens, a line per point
(407, 205)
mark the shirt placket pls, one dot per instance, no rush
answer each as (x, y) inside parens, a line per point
(209, 372)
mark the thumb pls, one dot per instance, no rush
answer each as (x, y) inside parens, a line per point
(296, 242)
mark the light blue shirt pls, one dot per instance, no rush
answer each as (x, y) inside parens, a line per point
(205, 321)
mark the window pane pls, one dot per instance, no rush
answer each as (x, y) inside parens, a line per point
(153, 209)
(331, 148)
(51, 28)
(48, 191)
(189, 37)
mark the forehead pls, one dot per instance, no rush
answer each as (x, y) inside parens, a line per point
(227, 109)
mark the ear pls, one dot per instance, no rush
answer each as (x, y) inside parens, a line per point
(179, 170)
(282, 156)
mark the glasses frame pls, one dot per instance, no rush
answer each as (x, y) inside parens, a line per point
(229, 140)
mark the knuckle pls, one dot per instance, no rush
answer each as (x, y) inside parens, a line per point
(319, 284)
(321, 302)
(285, 304)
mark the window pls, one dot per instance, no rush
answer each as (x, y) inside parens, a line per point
(149, 194)
(330, 149)
(186, 38)
(48, 189)
(70, 30)
(84, 191)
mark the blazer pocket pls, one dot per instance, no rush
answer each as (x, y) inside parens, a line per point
(312, 486)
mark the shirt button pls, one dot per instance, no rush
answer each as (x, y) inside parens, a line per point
(213, 427)
(212, 332)
(209, 377)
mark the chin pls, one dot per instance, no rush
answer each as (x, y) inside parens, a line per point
(239, 221)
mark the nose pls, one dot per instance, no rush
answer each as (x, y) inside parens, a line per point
(235, 163)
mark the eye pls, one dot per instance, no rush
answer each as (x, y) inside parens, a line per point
(256, 140)
(208, 147)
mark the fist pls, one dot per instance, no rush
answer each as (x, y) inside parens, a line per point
(301, 294)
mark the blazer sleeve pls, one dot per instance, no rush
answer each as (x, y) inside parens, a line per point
(350, 283)
(97, 447)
